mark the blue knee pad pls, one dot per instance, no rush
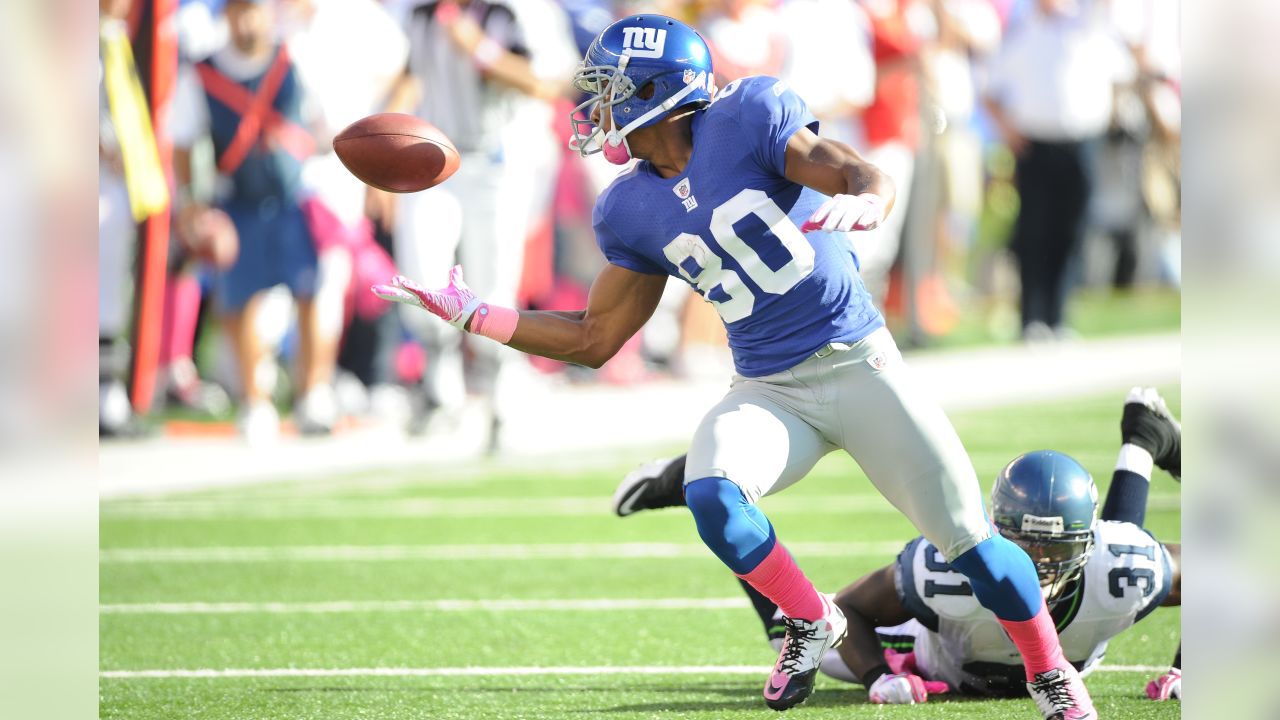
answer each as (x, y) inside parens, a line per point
(735, 530)
(1003, 578)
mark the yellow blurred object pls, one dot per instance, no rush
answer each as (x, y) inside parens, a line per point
(148, 188)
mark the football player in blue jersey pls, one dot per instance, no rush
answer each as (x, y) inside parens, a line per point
(915, 628)
(738, 195)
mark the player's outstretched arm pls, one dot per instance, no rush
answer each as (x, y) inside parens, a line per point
(620, 302)
(870, 602)
(861, 195)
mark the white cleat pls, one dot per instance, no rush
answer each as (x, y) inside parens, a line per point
(1060, 695)
(791, 681)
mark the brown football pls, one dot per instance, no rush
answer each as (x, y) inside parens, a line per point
(396, 152)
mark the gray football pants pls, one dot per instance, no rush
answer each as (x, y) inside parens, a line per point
(768, 432)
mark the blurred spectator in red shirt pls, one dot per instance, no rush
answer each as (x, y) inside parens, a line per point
(891, 125)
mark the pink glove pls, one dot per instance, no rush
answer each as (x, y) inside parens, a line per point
(843, 213)
(901, 662)
(904, 689)
(1168, 685)
(453, 303)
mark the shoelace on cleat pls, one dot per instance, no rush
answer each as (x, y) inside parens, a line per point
(1056, 690)
(798, 631)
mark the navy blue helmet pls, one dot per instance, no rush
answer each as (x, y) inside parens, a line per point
(627, 57)
(1046, 502)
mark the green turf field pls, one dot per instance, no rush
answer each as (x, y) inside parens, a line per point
(448, 572)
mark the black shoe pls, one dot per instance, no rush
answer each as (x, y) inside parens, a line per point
(656, 484)
(1148, 424)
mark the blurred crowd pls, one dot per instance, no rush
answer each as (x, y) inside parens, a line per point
(1034, 143)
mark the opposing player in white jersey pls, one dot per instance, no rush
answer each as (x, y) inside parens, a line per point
(723, 198)
(915, 627)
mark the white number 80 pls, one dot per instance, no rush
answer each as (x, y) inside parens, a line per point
(741, 300)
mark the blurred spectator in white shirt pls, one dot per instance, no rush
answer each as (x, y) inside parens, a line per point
(343, 86)
(1050, 93)
(830, 65)
(473, 69)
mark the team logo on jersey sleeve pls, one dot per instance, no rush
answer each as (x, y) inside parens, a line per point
(685, 192)
(644, 42)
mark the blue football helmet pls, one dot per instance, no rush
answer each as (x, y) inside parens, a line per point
(1046, 502)
(621, 62)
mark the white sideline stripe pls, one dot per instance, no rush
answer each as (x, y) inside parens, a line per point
(488, 671)
(358, 606)
(569, 551)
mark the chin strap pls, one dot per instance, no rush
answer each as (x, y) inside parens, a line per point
(616, 138)
(665, 107)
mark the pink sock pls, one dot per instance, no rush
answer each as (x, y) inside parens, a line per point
(1037, 640)
(778, 578)
(181, 311)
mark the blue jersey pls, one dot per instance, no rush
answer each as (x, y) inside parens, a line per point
(730, 227)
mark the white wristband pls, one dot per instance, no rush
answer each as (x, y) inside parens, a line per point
(487, 53)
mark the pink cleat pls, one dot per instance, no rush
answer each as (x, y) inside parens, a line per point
(1060, 694)
(1167, 686)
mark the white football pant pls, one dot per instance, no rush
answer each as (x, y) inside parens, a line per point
(768, 433)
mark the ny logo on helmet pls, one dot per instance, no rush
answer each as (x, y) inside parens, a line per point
(644, 42)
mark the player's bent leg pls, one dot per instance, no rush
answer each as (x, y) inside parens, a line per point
(747, 446)
(742, 537)
(912, 454)
(1004, 581)
(906, 445)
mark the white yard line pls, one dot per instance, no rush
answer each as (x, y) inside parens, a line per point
(567, 551)
(365, 606)
(597, 506)
(487, 671)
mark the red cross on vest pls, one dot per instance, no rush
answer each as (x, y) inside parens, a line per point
(258, 117)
